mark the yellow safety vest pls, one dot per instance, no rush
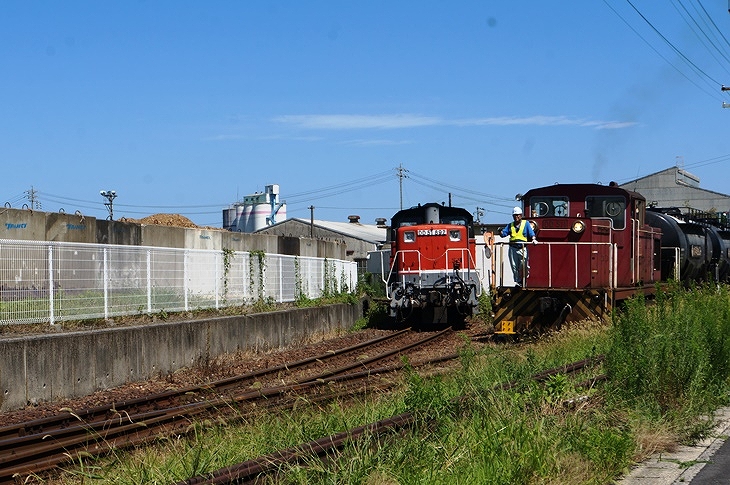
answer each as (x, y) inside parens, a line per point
(517, 234)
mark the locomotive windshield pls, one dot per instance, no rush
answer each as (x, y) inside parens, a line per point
(549, 207)
(457, 221)
(417, 219)
(612, 207)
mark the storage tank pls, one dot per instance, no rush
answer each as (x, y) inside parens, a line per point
(259, 214)
(231, 216)
(245, 223)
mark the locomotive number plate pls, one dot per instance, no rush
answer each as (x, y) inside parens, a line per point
(556, 224)
(432, 232)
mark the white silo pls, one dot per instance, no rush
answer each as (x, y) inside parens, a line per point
(257, 211)
(245, 222)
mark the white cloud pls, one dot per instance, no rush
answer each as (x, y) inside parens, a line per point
(363, 142)
(360, 122)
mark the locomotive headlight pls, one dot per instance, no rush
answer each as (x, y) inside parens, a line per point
(534, 226)
(578, 227)
(454, 235)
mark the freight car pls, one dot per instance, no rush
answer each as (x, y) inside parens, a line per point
(433, 277)
(695, 244)
(599, 245)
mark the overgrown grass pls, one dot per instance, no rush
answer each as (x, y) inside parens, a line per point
(671, 359)
(667, 365)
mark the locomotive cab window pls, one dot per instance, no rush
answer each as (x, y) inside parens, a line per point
(456, 221)
(549, 207)
(612, 207)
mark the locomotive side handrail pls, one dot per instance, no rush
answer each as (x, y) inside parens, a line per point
(677, 262)
(468, 269)
(612, 253)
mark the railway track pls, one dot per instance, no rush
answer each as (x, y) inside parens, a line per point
(32, 447)
(254, 471)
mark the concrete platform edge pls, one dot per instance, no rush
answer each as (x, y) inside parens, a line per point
(682, 465)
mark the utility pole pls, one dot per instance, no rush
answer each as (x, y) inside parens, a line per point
(723, 87)
(311, 221)
(479, 213)
(110, 195)
(31, 196)
(401, 175)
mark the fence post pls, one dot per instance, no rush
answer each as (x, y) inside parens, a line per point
(105, 275)
(51, 315)
(217, 264)
(149, 281)
(244, 275)
(185, 279)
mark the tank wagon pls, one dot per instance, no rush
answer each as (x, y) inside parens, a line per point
(695, 245)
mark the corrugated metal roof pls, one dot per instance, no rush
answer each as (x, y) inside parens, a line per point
(366, 232)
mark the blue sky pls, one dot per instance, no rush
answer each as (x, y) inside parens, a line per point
(185, 107)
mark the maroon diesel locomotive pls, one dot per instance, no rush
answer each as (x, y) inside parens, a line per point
(595, 249)
(433, 277)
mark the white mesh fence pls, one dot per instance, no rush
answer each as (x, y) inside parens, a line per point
(51, 281)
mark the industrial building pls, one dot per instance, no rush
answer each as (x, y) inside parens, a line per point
(358, 238)
(676, 187)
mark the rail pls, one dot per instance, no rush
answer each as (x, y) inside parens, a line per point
(53, 281)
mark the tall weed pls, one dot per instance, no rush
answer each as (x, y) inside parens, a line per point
(673, 356)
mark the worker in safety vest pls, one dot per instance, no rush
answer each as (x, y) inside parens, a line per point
(520, 233)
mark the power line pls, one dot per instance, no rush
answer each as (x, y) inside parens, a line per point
(713, 23)
(697, 27)
(672, 46)
(710, 92)
(339, 189)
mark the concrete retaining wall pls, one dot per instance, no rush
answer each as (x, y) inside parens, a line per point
(48, 367)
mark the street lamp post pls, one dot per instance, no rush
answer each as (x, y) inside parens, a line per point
(110, 195)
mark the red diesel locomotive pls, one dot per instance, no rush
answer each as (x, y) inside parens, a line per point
(433, 277)
(595, 249)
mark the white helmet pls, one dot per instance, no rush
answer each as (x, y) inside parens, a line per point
(517, 210)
